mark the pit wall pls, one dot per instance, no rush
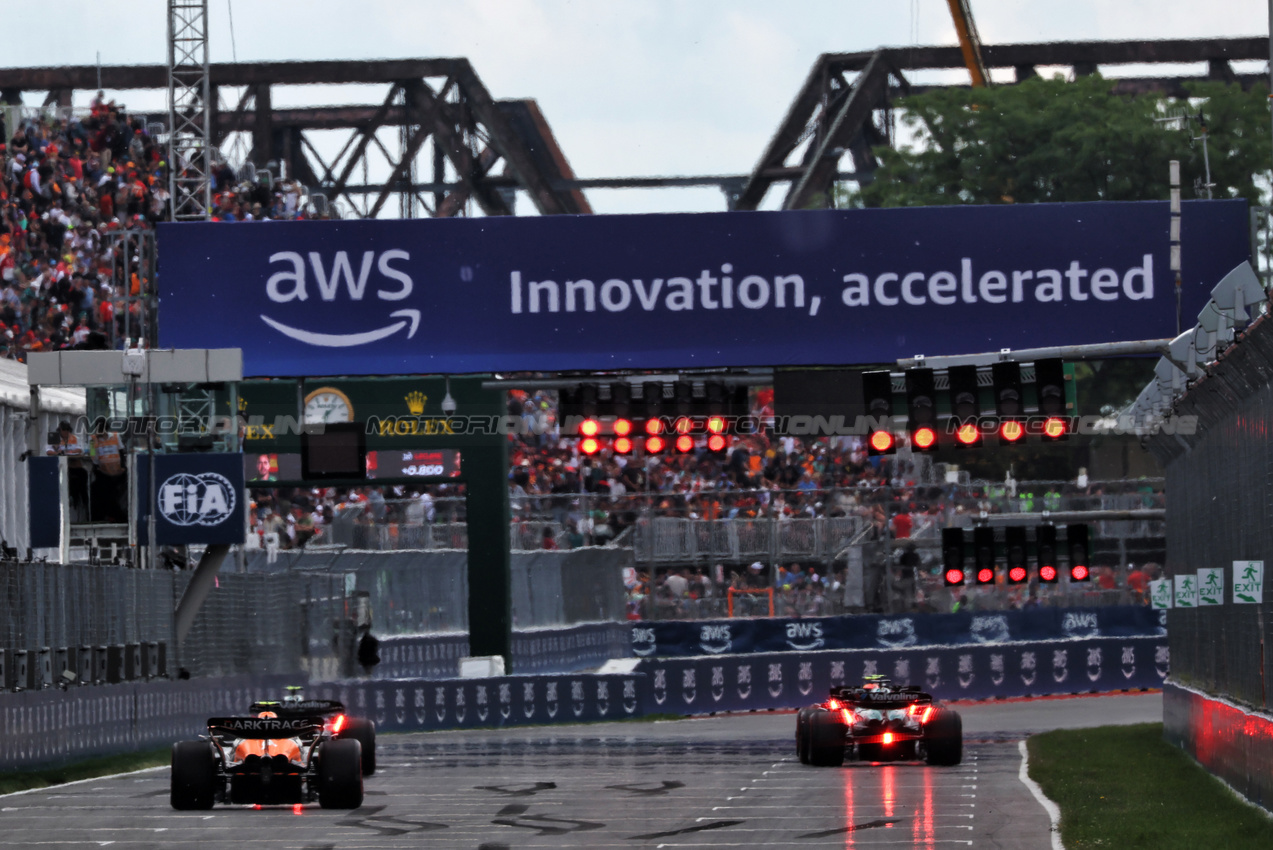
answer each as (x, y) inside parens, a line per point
(53, 726)
(1234, 743)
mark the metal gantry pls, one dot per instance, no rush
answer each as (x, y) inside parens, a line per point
(189, 111)
(437, 143)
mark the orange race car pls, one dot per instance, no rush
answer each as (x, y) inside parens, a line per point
(268, 759)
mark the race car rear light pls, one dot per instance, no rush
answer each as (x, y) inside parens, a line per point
(834, 704)
(844, 713)
(297, 808)
(886, 738)
(338, 724)
(927, 713)
(911, 709)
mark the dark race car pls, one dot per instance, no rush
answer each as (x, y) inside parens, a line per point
(295, 705)
(268, 759)
(878, 721)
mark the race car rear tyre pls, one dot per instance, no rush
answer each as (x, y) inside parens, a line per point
(340, 774)
(364, 732)
(826, 731)
(194, 775)
(944, 738)
(802, 734)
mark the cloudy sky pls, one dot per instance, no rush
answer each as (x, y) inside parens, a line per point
(630, 87)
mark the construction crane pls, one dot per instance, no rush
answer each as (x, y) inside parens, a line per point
(969, 42)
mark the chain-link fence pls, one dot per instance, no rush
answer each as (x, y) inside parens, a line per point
(1221, 484)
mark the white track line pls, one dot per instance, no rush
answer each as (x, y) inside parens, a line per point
(58, 785)
(1054, 813)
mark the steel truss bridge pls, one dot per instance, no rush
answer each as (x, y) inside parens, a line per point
(474, 148)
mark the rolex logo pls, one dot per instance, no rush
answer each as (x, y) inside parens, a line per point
(415, 402)
(243, 404)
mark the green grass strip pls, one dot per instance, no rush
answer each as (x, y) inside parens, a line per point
(88, 769)
(1124, 786)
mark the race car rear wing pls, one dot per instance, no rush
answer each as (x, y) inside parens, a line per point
(265, 727)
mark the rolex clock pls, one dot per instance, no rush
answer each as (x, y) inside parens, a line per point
(327, 404)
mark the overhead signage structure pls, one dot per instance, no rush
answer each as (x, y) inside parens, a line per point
(813, 287)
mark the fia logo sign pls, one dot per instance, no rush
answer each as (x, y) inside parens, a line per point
(204, 499)
(291, 283)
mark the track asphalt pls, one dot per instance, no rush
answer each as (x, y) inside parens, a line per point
(729, 781)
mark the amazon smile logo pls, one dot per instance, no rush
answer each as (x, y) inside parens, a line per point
(291, 283)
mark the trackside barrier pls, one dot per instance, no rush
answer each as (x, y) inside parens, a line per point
(1232, 742)
(877, 631)
(556, 650)
(415, 705)
(789, 680)
(55, 726)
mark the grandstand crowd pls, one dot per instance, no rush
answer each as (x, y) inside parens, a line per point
(72, 182)
(563, 499)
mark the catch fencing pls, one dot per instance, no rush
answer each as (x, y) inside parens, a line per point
(1221, 483)
(303, 613)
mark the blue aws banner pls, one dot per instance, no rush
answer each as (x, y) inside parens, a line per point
(882, 631)
(793, 679)
(682, 290)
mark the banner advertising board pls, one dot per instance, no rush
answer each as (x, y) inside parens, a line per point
(199, 498)
(1187, 591)
(669, 638)
(1248, 582)
(804, 287)
(1210, 586)
(794, 679)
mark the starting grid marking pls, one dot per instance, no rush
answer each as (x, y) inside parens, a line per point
(633, 795)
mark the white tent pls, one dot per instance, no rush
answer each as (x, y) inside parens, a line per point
(57, 404)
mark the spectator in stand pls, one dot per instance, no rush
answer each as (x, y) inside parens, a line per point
(73, 182)
(1138, 583)
(902, 523)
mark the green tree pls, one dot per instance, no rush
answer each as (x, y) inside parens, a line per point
(1052, 140)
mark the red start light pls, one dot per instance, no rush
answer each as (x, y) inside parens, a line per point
(685, 444)
(684, 425)
(924, 438)
(1078, 572)
(716, 424)
(985, 575)
(955, 576)
(590, 445)
(968, 434)
(623, 445)
(1017, 574)
(1054, 427)
(653, 426)
(1012, 430)
(1047, 573)
(654, 445)
(590, 428)
(715, 443)
(622, 427)
(881, 441)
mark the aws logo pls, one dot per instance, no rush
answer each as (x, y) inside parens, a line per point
(1080, 624)
(715, 639)
(805, 635)
(643, 642)
(291, 283)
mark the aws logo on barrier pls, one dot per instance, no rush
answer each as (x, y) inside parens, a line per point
(715, 639)
(805, 635)
(292, 284)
